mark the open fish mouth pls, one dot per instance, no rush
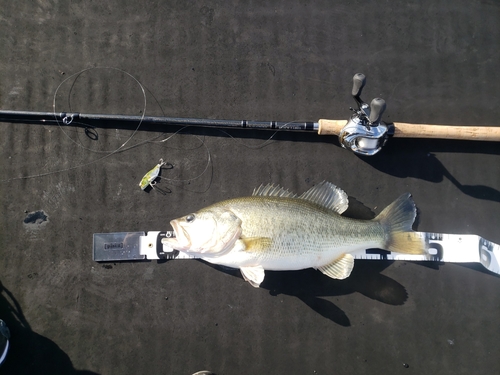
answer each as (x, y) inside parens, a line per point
(181, 236)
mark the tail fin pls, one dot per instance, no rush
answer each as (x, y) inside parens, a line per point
(397, 220)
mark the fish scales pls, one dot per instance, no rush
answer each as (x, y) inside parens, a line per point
(275, 230)
(299, 227)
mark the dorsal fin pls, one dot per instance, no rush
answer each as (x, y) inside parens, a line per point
(327, 195)
(271, 190)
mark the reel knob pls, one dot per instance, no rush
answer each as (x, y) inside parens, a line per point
(377, 108)
(358, 82)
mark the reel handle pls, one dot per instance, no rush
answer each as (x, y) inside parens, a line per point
(358, 82)
(377, 108)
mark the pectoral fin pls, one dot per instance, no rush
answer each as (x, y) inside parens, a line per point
(254, 275)
(340, 268)
(257, 244)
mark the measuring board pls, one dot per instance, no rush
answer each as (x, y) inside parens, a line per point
(454, 248)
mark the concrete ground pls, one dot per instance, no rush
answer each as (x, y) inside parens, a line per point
(432, 61)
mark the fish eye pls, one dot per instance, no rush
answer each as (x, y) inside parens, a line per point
(190, 218)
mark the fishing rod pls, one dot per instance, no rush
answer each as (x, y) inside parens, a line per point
(364, 133)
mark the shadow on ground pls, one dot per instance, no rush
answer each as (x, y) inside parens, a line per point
(31, 353)
(313, 288)
(410, 158)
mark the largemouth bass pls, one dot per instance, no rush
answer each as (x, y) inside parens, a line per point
(275, 229)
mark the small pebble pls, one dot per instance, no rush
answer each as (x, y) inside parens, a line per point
(406, 365)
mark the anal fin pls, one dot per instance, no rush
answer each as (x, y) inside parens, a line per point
(340, 268)
(254, 275)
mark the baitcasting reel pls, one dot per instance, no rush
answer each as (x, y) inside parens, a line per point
(365, 133)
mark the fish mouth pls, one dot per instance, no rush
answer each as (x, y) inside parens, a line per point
(181, 236)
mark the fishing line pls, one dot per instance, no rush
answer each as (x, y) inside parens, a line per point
(68, 121)
(207, 165)
(263, 144)
(150, 140)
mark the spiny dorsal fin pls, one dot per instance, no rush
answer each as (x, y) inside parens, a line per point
(271, 190)
(327, 195)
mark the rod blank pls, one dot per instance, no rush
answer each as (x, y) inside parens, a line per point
(102, 119)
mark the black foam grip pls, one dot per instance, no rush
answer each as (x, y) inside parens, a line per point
(377, 108)
(358, 82)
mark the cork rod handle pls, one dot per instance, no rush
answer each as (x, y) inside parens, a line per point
(471, 133)
(406, 130)
(330, 127)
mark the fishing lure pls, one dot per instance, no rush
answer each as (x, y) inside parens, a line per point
(150, 177)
